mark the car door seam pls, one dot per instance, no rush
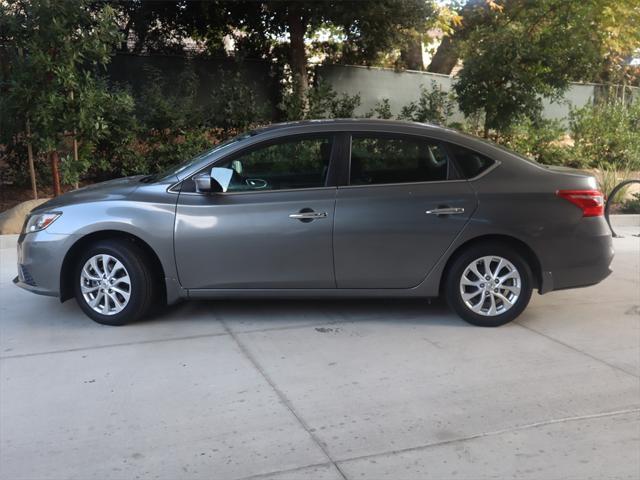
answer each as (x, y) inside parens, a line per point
(333, 251)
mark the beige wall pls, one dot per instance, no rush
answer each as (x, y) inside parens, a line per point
(375, 84)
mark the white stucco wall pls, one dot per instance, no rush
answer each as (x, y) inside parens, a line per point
(375, 84)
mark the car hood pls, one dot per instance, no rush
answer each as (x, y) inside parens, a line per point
(111, 190)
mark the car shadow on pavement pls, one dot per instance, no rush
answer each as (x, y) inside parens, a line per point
(257, 314)
(239, 315)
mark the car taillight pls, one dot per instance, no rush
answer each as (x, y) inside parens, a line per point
(591, 202)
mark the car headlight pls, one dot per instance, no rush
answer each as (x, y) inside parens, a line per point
(40, 221)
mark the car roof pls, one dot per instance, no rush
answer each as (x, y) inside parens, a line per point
(371, 124)
(347, 123)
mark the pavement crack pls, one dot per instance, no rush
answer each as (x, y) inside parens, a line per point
(112, 345)
(258, 476)
(281, 396)
(288, 327)
(575, 349)
(517, 428)
(160, 340)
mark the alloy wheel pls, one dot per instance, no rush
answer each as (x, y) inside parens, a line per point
(105, 284)
(490, 285)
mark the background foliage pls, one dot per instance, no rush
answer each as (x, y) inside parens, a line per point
(512, 52)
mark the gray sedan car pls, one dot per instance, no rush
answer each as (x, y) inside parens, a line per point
(330, 208)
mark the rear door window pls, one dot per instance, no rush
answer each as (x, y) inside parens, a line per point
(384, 159)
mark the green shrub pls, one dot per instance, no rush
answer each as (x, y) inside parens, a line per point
(112, 154)
(632, 205)
(235, 105)
(167, 123)
(381, 109)
(434, 105)
(472, 124)
(608, 176)
(320, 101)
(161, 151)
(607, 133)
(172, 105)
(344, 105)
(539, 139)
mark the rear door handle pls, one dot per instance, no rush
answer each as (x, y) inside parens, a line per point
(313, 215)
(445, 211)
(308, 216)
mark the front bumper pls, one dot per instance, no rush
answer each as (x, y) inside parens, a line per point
(40, 258)
(33, 289)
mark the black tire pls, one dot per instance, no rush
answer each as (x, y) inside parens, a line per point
(142, 284)
(465, 258)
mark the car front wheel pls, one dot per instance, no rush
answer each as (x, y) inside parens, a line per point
(113, 283)
(489, 285)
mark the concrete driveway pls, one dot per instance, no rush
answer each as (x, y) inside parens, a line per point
(324, 389)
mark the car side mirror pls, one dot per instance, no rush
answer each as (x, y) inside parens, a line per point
(203, 182)
(216, 181)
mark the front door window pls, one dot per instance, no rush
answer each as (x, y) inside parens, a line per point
(290, 164)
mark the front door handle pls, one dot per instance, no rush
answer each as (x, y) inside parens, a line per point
(308, 215)
(445, 211)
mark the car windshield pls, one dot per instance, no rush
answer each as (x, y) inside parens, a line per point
(180, 167)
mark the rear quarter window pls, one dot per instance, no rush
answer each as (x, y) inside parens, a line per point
(469, 162)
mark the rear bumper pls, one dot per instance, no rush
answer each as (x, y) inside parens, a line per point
(575, 277)
(580, 260)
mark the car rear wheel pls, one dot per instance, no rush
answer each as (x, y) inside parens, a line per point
(489, 284)
(113, 282)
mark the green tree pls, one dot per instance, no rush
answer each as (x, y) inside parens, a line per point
(524, 52)
(516, 52)
(162, 26)
(284, 32)
(620, 39)
(365, 29)
(457, 20)
(614, 24)
(53, 95)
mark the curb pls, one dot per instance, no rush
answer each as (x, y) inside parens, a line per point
(625, 220)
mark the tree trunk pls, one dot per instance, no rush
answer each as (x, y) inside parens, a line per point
(32, 168)
(76, 185)
(445, 58)
(298, 52)
(55, 174)
(487, 119)
(412, 55)
(75, 147)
